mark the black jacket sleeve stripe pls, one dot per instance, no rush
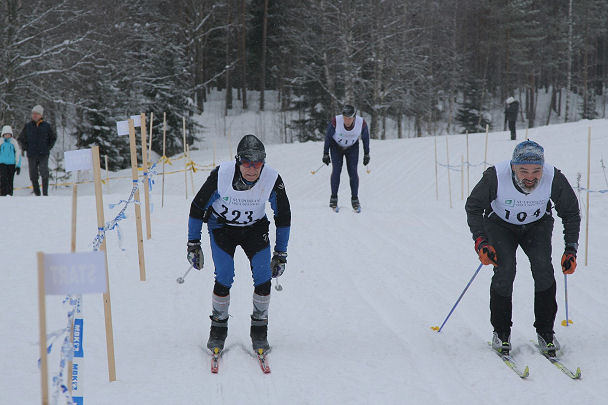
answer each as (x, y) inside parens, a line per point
(283, 214)
(199, 204)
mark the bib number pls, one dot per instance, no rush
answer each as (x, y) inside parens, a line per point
(236, 215)
(521, 216)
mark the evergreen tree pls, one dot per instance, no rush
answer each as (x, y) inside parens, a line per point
(471, 114)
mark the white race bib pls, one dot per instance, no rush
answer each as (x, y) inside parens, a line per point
(344, 137)
(242, 208)
(518, 208)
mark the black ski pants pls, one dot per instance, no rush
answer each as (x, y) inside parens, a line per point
(512, 129)
(7, 175)
(535, 240)
(39, 167)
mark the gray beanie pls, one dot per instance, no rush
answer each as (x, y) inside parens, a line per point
(528, 152)
(38, 109)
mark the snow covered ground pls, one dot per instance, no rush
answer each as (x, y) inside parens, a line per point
(352, 324)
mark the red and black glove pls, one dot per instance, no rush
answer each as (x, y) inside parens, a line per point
(569, 261)
(486, 252)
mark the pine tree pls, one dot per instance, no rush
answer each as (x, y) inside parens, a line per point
(471, 114)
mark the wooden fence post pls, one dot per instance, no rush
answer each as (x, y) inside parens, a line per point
(107, 306)
(135, 177)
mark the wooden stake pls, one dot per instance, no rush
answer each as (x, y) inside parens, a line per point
(191, 169)
(162, 203)
(436, 176)
(74, 195)
(588, 188)
(107, 176)
(468, 165)
(462, 177)
(150, 143)
(134, 175)
(144, 159)
(185, 157)
(44, 369)
(447, 150)
(73, 250)
(107, 306)
(485, 155)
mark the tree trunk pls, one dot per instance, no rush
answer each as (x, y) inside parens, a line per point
(569, 74)
(399, 125)
(263, 62)
(228, 61)
(243, 54)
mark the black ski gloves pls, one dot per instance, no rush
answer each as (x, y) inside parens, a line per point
(18, 171)
(195, 254)
(326, 159)
(365, 159)
(277, 264)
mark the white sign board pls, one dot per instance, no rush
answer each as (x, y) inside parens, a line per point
(75, 273)
(122, 127)
(80, 159)
(136, 120)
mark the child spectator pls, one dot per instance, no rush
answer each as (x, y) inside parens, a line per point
(10, 160)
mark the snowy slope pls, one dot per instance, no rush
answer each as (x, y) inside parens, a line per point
(352, 324)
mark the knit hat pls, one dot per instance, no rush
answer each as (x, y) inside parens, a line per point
(38, 109)
(510, 100)
(528, 152)
(7, 130)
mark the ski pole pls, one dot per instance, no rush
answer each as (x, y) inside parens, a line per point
(180, 280)
(438, 329)
(566, 321)
(315, 171)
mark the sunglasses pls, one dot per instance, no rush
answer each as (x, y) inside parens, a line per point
(255, 164)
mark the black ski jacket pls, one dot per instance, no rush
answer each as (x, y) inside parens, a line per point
(563, 196)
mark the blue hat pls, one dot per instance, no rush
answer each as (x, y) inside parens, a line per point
(528, 152)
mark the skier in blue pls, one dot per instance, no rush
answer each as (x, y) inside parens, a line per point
(232, 202)
(342, 140)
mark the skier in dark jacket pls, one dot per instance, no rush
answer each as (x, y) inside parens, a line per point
(511, 207)
(37, 139)
(511, 111)
(232, 203)
(342, 140)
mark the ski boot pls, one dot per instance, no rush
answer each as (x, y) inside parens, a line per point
(356, 205)
(501, 342)
(259, 335)
(217, 334)
(333, 202)
(547, 343)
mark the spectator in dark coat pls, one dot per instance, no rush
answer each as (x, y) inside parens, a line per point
(511, 111)
(37, 139)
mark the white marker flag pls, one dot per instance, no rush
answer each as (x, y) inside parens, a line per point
(136, 120)
(75, 273)
(122, 127)
(80, 159)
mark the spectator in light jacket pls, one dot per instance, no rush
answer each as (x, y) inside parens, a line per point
(10, 161)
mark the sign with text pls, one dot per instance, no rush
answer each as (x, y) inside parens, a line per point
(122, 127)
(75, 273)
(136, 120)
(80, 159)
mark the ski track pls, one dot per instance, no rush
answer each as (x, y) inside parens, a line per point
(361, 291)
